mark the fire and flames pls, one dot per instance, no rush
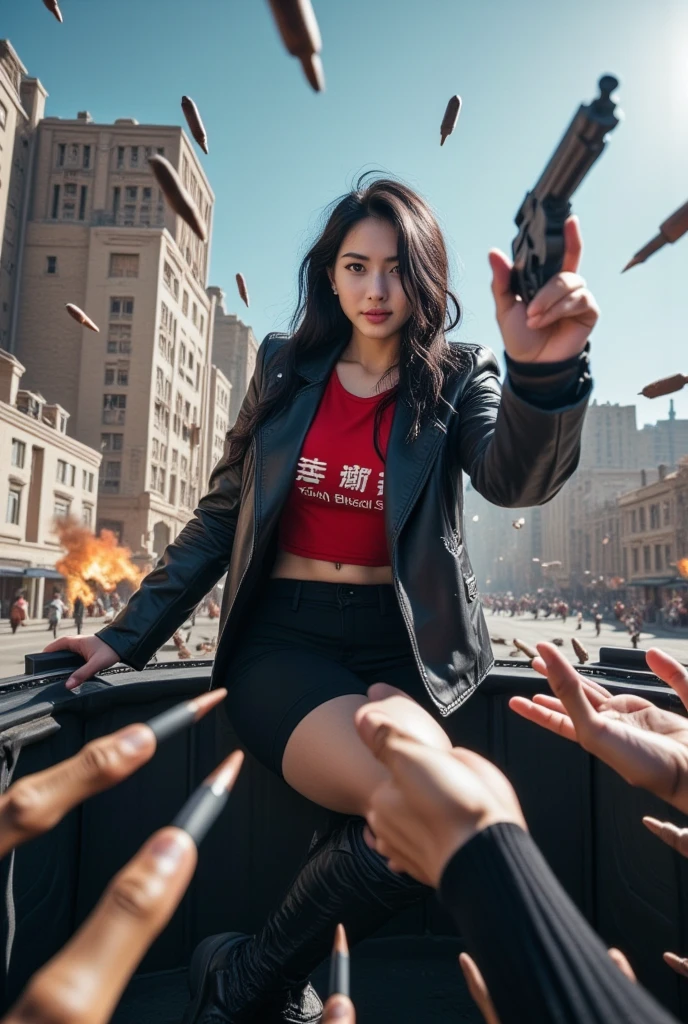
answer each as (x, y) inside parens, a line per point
(682, 566)
(92, 564)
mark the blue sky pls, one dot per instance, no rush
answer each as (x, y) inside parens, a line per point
(279, 153)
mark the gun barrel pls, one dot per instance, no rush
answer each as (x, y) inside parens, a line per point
(581, 145)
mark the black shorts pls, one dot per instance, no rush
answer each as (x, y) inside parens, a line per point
(307, 643)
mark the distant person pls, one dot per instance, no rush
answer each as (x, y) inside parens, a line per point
(55, 613)
(78, 614)
(19, 612)
(598, 623)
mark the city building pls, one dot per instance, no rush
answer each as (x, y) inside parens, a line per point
(219, 398)
(653, 534)
(664, 442)
(49, 475)
(98, 234)
(610, 437)
(503, 557)
(22, 104)
(234, 351)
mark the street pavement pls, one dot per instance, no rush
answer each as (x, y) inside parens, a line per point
(33, 638)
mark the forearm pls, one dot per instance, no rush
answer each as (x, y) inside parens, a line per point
(540, 959)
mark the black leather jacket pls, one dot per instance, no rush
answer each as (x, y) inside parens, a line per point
(515, 453)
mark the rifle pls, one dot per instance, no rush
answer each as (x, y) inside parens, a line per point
(538, 249)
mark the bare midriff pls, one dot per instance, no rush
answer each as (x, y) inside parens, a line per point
(295, 567)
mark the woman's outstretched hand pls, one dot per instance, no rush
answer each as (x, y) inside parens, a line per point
(647, 746)
(556, 324)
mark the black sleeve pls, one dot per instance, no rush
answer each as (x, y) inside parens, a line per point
(541, 960)
(191, 565)
(551, 385)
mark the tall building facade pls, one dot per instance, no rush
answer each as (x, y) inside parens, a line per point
(99, 234)
(234, 350)
(22, 105)
(219, 401)
(664, 442)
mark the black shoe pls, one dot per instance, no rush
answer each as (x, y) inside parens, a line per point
(265, 979)
(211, 968)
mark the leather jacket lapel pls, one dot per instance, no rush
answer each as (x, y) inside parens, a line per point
(407, 466)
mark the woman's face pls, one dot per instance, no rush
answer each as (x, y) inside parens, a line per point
(367, 279)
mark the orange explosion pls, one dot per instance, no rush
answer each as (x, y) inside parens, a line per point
(682, 566)
(92, 563)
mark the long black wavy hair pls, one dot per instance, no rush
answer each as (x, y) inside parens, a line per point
(319, 323)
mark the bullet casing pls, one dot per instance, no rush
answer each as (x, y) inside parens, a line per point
(451, 116)
(176, 195)
(195, 123)
(243, 290)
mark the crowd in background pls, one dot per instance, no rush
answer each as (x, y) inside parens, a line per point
(673, 613)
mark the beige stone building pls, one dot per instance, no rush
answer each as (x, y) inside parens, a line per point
(234, 351)
(48, 475)
(99, 234)
(653, 534)
(219, 400)
(22, 104)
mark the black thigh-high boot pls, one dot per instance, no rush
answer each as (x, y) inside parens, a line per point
(235, 979)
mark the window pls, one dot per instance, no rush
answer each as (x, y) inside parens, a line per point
(146, 194)
(55, 209)
(642, 519)
(185, 304)
(110, 478)
(634, 521)
(18, 453)
(82, 202)
(109, 375)
(65, 472)
(61, 508)
(121, 307)
(191, 357)
(161, 480)
(667, 554)
(134, 162)
(173, 490)
(116, 195)
(61, 148)
(86, 162)
(194, 314)
(666, 513)
(124, 264)
(87, 516)
(3, 115)
(658, 555)
(122, 377)
(74, 153)
(111, 442)
(175, 288)
(636, 559)
(13, 503)
(202, 323)
(647, 562)
(654, 517)
(86, 480)
(51, 264)
(114, 408)
(154, 478)
(131, 193)
(155, 448)
(119, 338)
(120, 157)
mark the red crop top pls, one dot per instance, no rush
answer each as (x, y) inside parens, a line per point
(335, 508)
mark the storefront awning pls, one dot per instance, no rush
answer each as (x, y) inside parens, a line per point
(10, 570)
(37, 571)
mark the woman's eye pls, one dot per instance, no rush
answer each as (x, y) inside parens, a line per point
(350, 265)
(397, 268)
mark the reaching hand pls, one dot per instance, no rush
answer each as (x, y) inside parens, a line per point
(434, 802)
(648, 747)
(36, 803)
(676, 838)
(95, 652)
(85, 981)
(556, 324)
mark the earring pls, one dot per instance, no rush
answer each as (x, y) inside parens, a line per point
(334, 291)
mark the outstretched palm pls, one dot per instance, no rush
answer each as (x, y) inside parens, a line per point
(647, 746)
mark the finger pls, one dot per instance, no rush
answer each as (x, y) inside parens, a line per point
(477, 988)
(61, 644)
(380, 734)
(676, 838)
(36, 803)
(501, 282)
(557, 288)
(547, 701)
(579, 304)
(340, 1009)
(622, 963)
(573, 245)
(86, 672)
(677, 963)
(567, 685)
(91, 971)
(669, 671)
(553, 721)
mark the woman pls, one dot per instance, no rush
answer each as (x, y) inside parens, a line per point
(337, 510)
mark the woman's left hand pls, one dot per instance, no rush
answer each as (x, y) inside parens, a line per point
(555, 325)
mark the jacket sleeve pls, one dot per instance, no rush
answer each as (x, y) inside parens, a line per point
(191, 565)
(516, 453)
(540, 958)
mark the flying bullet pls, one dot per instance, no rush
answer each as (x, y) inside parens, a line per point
(241, 285)
(451, 116)
(54, 9)
(176, 195)
(300, 34)
(196, 126)
(526, 649)
(518, 523)
(665, 386)
(581, 652)
(670, 231)
(80, 317)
